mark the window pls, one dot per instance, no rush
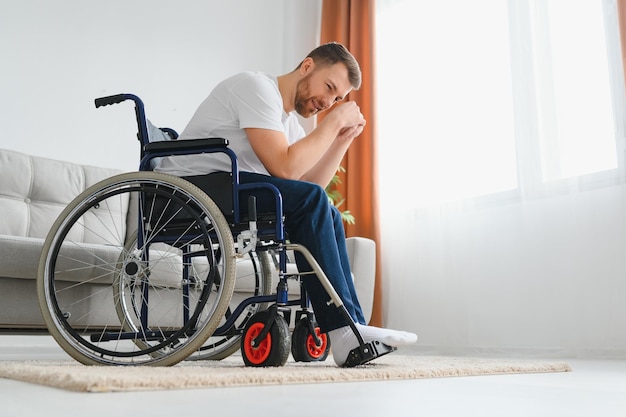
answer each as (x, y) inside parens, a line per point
(575, 114)
(490, 96)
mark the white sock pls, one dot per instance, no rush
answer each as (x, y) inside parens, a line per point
(343, 340)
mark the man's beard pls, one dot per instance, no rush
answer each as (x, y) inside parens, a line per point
(302, 97)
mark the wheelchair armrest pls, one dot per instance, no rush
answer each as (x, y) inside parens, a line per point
(185, 145)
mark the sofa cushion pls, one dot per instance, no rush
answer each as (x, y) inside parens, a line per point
(34, 191)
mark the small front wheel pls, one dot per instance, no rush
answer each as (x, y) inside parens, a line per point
(304, 346)
(273, 349)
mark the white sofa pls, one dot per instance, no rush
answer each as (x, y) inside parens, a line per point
(33, 192)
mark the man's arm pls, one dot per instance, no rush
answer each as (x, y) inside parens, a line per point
(323, 172)
(315, 157)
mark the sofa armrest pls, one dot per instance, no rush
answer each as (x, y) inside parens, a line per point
(362, 256)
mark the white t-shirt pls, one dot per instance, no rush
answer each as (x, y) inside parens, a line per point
(246, 100)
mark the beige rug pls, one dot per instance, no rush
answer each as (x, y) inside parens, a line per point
(73, 376)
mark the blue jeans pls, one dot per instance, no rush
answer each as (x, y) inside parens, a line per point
(311, 221)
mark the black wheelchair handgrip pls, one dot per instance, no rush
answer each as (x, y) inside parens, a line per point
(105, 101)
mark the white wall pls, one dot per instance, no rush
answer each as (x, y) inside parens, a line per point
(57, 56)
(544, 276)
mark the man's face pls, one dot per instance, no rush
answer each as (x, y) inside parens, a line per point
(320, 88)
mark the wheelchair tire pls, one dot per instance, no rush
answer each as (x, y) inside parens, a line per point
(273, 350)
(108, 300)
(220, 347)
(303, 346)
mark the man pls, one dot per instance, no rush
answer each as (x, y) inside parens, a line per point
(256, 113)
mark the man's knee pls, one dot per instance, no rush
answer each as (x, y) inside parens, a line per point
(313, 195)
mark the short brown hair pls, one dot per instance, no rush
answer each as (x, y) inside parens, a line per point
(332, 53)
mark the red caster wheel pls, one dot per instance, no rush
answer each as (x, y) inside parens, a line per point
(303, 345)
(273, 348)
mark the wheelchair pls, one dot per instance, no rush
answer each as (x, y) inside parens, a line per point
(183, 275)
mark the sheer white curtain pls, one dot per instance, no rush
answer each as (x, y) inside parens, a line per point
(501, 128)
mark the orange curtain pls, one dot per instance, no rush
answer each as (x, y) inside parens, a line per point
(351, 23)
(621, 14)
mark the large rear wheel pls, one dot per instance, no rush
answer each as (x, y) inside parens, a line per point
(137, 270)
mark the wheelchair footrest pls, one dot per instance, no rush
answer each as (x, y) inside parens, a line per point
(367, 352)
